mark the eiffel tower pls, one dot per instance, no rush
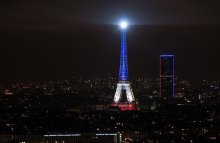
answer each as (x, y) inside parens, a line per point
(124, 86)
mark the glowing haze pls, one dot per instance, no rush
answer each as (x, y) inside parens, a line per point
(123, 24)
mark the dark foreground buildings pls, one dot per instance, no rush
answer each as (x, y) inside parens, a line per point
(64, 138)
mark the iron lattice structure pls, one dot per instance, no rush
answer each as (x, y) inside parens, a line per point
(123, 84)
(123, 71)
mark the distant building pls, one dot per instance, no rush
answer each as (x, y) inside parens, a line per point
(182, 89)
(167, 76)
(8, 92)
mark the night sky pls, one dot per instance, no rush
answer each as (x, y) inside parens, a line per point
(51, 40)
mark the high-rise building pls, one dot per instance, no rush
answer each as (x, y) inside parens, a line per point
(167, 76)
(124, 87)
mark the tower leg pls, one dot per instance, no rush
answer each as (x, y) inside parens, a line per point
(117, 97)
(118, 94)
(129, 93)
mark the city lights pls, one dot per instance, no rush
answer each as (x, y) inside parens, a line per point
(110, 72)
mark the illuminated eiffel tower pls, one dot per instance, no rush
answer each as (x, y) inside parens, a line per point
(124, 86)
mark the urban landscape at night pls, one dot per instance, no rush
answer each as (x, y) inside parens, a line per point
(110, 72)
(45, 108)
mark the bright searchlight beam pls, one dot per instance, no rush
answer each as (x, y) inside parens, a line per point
(123, 24)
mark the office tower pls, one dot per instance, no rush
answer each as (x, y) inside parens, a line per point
(167, 76)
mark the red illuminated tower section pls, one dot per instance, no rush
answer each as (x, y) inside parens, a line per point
(124, 97)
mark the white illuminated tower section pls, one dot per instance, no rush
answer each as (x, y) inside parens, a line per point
(124, 86)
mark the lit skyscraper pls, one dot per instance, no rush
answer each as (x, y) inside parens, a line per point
(123, 86)
(167, 76)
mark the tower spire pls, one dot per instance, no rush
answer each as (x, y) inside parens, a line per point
(123, 71)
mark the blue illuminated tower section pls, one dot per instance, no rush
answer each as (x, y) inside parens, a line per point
(123, 71)
(124, 87)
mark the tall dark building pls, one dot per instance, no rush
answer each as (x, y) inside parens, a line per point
(167, 76)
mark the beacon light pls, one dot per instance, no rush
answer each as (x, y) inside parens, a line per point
(123, 24)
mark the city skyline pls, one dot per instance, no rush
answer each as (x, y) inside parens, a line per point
(76, 38)
(109, 71)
